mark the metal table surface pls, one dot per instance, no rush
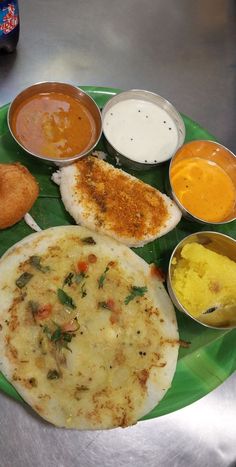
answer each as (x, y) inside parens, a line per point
(184, 51)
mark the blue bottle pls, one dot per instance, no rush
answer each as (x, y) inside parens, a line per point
(9, 25)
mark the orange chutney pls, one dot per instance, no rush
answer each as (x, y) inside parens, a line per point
(204, 188)
(54, 125)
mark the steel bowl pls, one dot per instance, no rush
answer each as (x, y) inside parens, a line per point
(162, 103)
(67, 89)
(222, 244)
(211, 151)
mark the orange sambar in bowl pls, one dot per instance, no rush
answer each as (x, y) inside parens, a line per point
(203, 178)
(54, 125)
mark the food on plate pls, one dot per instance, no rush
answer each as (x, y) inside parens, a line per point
(142, 126)
(115, 203)
(18, 192)
(141, 131)
(204, 281)
(54, 124)
(203, 188)
(29, 220)
(88, 334)
(203, 180)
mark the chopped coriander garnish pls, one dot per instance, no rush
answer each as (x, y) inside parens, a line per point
(102, 278)
(74, 278)
(56, 335)
(53, 374)
(35, 261)
(67, 337)
(34, 307)
(59, 337)
(47, 331)
(88, 240)
(83, 291)
(68, 279)
(23, 279)
(135, 292)
(65, 299)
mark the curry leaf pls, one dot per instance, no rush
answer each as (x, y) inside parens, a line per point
(210, 310)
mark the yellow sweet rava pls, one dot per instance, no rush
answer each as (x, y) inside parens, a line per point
(204, 281)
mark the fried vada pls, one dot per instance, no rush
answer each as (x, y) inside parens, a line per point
(18, 192)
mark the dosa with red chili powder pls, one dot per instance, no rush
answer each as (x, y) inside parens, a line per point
(113, 202)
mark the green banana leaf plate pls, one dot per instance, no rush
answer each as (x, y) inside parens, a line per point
(211, 355)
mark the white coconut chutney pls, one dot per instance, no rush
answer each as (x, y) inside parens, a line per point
(141, 131)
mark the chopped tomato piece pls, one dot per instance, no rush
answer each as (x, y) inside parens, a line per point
(56, 278)
(158, 273)
(92, 258)
(44, 311)
(82, 266)
(110, 304)
(113, 318)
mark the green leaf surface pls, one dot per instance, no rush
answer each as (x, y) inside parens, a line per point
(65, 299)
(211, 356)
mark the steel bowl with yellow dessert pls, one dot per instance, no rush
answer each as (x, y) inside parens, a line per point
(202, 278)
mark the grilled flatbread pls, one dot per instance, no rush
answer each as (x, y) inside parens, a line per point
(112, 202)
(88, 334)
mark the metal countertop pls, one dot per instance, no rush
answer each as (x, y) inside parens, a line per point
(185, 51)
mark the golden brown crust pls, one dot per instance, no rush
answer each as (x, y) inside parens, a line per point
(18, 192)
(130, 207)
